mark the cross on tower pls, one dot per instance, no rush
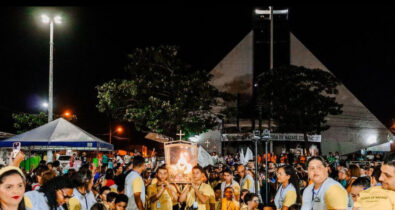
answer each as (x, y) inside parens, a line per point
(180, 134)
(207, 143)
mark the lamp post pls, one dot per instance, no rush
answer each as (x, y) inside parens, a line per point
(57, 20)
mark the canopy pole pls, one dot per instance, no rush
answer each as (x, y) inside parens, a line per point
(30, 154)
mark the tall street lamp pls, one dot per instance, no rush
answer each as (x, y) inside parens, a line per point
(57, 20)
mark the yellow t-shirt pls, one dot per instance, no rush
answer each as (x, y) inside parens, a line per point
(247, 184)
(336, 197)
(74, 204)
(28, 202)
(206, 190)
(165, 199)
(137, 185)
(230, 205)
(236, 190)
(217, 204)
(376, 198)
(290, 198)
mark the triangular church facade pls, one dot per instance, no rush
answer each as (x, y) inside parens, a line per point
(355, 129)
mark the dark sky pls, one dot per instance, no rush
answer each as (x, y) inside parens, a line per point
(355, 42)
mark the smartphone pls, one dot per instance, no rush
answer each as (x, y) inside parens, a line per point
(16, 147)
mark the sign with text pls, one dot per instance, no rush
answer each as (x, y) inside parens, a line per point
(273, 137)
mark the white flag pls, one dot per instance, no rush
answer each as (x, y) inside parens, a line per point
(249, 155)
(242, 156)
(204, 158)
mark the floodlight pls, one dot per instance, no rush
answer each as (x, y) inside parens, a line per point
(45, 18)
(58, 19)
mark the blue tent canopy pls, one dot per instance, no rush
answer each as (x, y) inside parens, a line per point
(59, 134)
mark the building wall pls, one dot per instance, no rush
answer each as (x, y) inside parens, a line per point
(356, 128)
(233, 74)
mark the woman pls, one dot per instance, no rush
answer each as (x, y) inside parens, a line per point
(38, 172)
(288, 192)
(109, 178)
(46, 176)
(324, 192)
(252, 201)
(53, 195)
(83, 195)
(342, 174)
(228, 202)
(12, 188)
(352, 174)
(243, 193)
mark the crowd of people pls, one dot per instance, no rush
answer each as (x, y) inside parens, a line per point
(301, 182)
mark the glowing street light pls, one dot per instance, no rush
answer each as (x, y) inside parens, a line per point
(45, 105)
(67, 114)
(118, 129)
(57, 20)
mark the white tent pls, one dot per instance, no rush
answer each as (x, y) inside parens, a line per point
(59, 134)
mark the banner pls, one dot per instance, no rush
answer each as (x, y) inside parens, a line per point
(273, 137)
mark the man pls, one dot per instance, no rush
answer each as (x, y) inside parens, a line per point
(120, 202)
(331, 158)
(252, 201)
(102, 196)
(134, 185)
(360, 184)
(84, 158)
(127, 159)
(110, 200)
(251, 165)
(229, 182)
(119, 159)
(72, 158)
(380, 197)
(215, 158)
(197, 194)
(324, 192)
(246, 181)
(375, 176)
(162, 195)
(218, 197)
(387, 176)
(105, 160)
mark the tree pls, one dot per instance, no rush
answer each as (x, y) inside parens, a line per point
(163, 94)
(298, 99)
(26, 121)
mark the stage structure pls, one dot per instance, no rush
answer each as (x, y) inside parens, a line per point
(181, 157)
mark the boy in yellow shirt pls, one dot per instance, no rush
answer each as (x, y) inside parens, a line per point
(162, 195)
(228, 202)
(197, 195)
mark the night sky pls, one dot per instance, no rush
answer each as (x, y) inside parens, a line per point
(355, 42)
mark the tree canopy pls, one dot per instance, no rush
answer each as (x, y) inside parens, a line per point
(26, 121)
(163, 94)
(299, 99)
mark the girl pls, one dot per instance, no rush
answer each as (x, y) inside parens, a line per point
(288, 192)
